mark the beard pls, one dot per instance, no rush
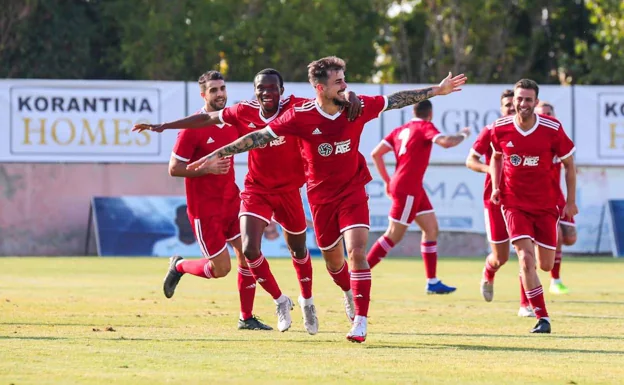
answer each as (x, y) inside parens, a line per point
(217, 106)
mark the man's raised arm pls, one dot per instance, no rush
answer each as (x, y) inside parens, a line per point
(191, 121)
(410, 97)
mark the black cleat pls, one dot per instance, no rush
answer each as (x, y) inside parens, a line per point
(252, 323)
(173, 276)
(542, 326)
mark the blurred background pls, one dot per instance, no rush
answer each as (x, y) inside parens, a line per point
(77, 74)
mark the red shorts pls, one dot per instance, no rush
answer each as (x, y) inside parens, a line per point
(285, 208)
(541, 227)
(216, 227)
(407, 207)
(334, 218)
(495, 227)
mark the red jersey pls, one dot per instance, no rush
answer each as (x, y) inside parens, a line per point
(528, 161)
(194, 144)
(483, 147)
(411, 143)
(334, 166)
(277, 166)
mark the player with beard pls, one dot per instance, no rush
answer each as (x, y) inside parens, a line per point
(212, 200)
(336, 172)
(270, 191)
(567, 227)
(521, 170)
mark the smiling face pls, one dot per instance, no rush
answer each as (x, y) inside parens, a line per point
(335, 88)
(507, 107)
(215, 95)
(524, 102)
(268, 92)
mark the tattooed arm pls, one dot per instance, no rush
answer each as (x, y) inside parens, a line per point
(407, 98)
(240, 145)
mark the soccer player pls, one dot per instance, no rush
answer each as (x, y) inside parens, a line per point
(495, 228)
(411, 144)
(271, 191)
(567, 227)
(521, 170)
(336, 171)
(213, 202)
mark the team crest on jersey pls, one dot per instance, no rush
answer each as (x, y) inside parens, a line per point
(325, 149)
(515, 159)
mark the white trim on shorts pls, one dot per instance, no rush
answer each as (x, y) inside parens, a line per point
(293, 232)
(544, 245)
(425, 212)
(333, 244)
(353, 226)
(488, 230)
(566, 223)
(409, 202)
(398, 221)
(268, 222)
(200, 240)
(234, 237)
(512, 240)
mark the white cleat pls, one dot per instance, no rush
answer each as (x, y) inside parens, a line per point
(525, 311)
(349, 305)
(284, 306)
(310, 321)
(487, 290)
(358, 330)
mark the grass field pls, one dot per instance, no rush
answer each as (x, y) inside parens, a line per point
(55, 312)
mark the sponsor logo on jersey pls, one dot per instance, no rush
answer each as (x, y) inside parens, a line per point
(277, 142)
(343, 147)
(325, 149)
(515, 159)
(531, 161)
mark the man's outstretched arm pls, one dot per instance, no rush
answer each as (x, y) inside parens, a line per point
(191, 121)
(410, 97)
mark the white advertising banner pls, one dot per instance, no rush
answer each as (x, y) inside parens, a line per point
(79, 121)
(455, 192)
(599, 125)
(475, 107)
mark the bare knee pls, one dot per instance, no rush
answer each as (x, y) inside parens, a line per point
(395, 232)
(221, 268)
(569, 239)
(356, 253)
(430, 233)
(298, 250)
(526, 257)
(251, 252)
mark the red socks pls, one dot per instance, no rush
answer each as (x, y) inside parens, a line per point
(379, 250)
(429, 251)
(246, 292)
(489, 271)
(536, 299)
(262, 273)
(341, 277)
(554, 273)
(361, 286)
(199, 267)
(303, 267)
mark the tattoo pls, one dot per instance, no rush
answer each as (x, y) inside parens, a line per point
(407, 98)
(246, 143)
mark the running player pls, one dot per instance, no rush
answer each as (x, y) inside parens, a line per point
(336, 171)
(411, 144)
(213, 202)
(567, 227)
(521, 169)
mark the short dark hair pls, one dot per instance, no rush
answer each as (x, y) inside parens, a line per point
(271, 71)
(527, 84)
(546, 104)
(507, 94)
(423, 109)
(318, 70)
(208, 76)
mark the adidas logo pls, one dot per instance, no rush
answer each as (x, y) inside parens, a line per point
(251, 125)
(510, 144)
(306, 279)
(359, 296)
(260, 280)
(316, 131)
(210, 140)
(252, 286)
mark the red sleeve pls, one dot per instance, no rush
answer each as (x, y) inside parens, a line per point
(389, 139)
(373, 106)
(563, 146)
(494, 141)
(185, 145)
(483, 142)
(284, 125)
(431, 132)
(229, 115)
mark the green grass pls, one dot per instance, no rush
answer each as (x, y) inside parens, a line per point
(54, 313)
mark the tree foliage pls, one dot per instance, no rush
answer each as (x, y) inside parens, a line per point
(416, 41)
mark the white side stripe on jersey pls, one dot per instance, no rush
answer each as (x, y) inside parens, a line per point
(568, 154)
(473, 152)
(503, 121)
(307, 106)
(550, 124)
(178, 157)
(385, 142)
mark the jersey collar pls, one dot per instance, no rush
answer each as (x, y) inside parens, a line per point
(220, 125)
(531, 130)
(325, 114)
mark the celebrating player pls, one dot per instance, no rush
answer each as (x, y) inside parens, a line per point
(213, 202)
(270, 191)
(411, 144)
(494, 222)
(567, 227)
(336, 172)
(522, 183)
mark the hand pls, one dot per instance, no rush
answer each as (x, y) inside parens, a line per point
(387, 189)
(465, 130)
(211, 164)
(148, 127)
(570, 209)
(451, 84)
(355, 106)
(495, 197)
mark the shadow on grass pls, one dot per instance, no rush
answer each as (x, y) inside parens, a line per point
(557, 336)
(487, 348)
